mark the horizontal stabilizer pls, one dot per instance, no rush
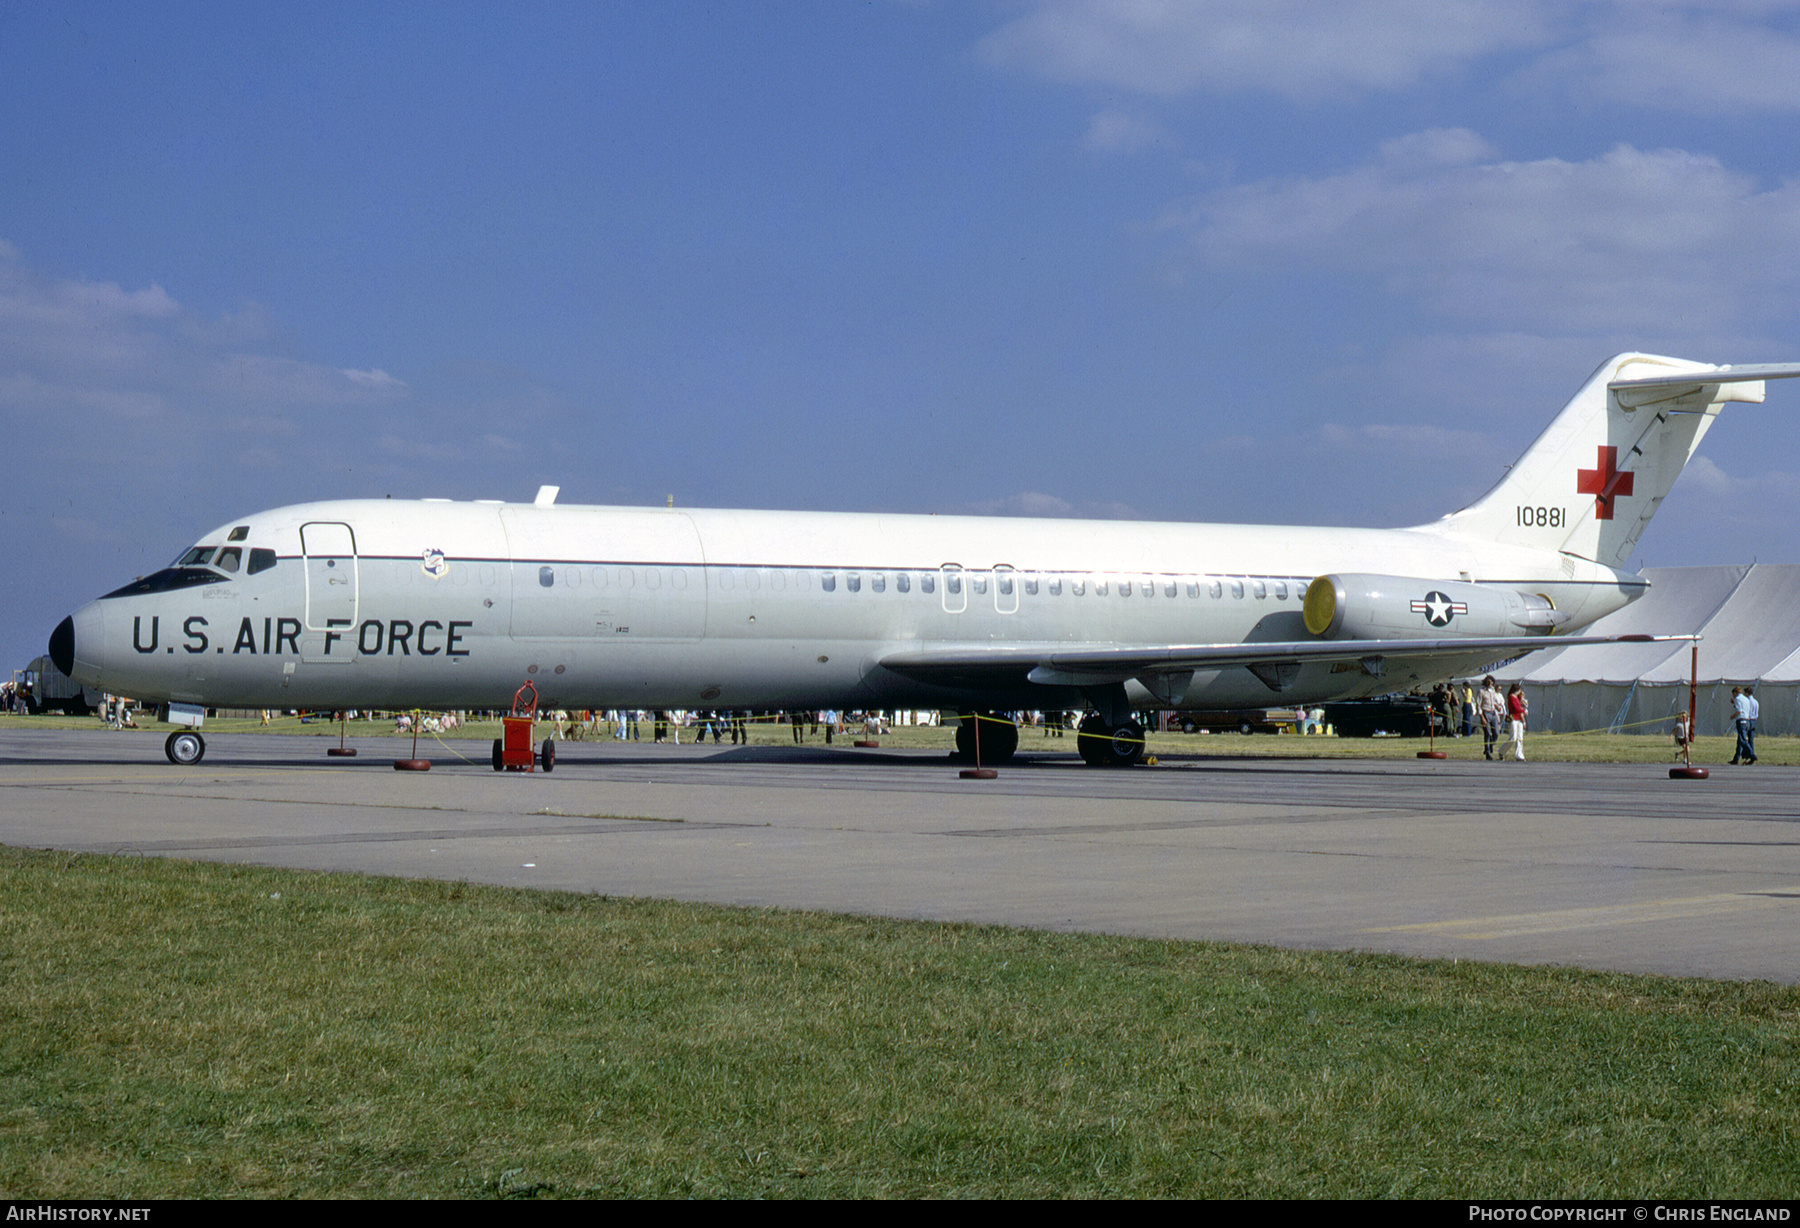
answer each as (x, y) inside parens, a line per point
(1718, 375)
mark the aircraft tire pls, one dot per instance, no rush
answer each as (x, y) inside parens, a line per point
(185, 748)
(497, 763)
(999, 739)
(1125, 748)
(1001, 742)
(547, 756)
(1091, 741)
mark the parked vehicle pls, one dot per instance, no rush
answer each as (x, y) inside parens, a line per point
(1406, 716)
(47, 689)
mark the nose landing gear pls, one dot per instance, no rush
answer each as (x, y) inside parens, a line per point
(185, 748)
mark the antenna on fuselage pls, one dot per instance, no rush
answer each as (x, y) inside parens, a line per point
(546, 495)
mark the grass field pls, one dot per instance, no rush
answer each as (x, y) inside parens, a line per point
(176, 1030)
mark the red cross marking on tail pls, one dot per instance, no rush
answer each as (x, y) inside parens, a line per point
(1604, 482)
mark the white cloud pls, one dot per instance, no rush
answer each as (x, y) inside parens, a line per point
(1293, 48)
(1699, 62)
(1704, 478)
(1704, 58)
(77, 353)
(1658, 241)
(1036, 504)
(1115, 131)
(376, 379)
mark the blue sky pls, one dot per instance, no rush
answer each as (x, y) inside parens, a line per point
(1246, 260)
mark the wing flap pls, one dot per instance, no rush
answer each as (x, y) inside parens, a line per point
(1062, 665)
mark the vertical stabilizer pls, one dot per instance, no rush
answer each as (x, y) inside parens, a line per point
(1590, 483)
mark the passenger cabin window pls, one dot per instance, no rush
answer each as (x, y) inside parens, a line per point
(1077, 588)
(1237, 589)
(902, 582)
(877, 582)
(1281, 590)
(953, 583)
(853, 581)
(928, 583)
(1124, 588)
(1031, 586)
(1056, 586)
(1259, 590)
(1216, 590)
(828, 581)
(978, 583)
(546, 576)
(1169, 587)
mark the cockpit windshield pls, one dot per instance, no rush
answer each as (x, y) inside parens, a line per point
(196, 567)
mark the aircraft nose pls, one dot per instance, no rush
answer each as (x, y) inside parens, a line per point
(62, 646)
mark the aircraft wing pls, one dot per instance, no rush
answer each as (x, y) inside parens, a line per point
(1066, 665)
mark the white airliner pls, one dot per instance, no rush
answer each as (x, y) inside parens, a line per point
(391, 604)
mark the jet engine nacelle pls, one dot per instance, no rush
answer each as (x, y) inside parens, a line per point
(1361, 607)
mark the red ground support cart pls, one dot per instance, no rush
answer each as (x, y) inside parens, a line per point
(512, 752)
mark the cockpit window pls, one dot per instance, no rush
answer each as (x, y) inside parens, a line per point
(229, 558)
(238, 534)
(198, 556)
(260, 560)
(167, 579)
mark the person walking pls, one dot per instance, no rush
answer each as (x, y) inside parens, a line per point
(1493, 710)
(1516, 708)
(1740, 715)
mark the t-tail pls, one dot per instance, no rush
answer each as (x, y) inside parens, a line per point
(1590, 483)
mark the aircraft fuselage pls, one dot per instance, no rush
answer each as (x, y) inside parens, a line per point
(391, 604)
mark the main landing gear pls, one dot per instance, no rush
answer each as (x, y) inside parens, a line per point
(1103, 744)
(185, 748)
(999, 738)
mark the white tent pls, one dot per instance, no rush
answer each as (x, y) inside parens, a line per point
(1749, 621)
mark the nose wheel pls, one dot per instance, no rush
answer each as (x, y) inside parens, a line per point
(185, 748)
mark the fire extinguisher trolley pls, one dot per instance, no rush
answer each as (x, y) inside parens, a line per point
(512, 751)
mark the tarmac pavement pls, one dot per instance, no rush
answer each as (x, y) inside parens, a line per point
(1591, 865)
